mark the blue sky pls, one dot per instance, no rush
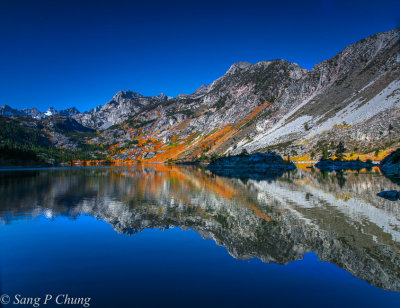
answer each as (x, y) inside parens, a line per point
(66, 53)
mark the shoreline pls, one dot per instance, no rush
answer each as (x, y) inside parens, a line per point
(127, 163)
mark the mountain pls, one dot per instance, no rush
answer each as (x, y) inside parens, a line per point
(6, 110)
(68, 112)
(123, 105)
(28, 141)
(33, 113)
(271, 105)
(267, 106)
(49, 112)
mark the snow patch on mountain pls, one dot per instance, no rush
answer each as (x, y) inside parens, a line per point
(50, 112)
(280, 128)
(360, 111)
(356, 112)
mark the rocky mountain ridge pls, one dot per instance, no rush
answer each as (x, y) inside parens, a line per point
(274, 105)
(6, 110)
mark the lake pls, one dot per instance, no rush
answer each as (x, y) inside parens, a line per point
(179, 236)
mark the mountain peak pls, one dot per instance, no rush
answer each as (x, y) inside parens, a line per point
(69, 112)
(238, 66)
(126, 94)
(33, 113)
(202, 90)
(50, 111)
(241, 65)
(6, 110)
(162, 97)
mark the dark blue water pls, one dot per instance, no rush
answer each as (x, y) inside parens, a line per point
(147, 238)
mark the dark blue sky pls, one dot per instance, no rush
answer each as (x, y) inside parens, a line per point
(66, 53)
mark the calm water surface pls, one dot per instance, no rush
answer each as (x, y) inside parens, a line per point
(168, 236)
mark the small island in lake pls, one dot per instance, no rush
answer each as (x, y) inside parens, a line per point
(390, 166)
(257, 166)
(337, 164)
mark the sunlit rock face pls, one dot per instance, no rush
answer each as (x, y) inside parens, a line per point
(336, 215)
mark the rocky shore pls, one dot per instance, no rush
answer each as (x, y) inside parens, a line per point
(390, 166)
(330, 165)
(253, 166)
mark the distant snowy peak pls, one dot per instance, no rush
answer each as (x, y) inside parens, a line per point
(50, 112)
(35, 113)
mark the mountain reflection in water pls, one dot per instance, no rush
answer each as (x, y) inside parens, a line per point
(336, 215)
